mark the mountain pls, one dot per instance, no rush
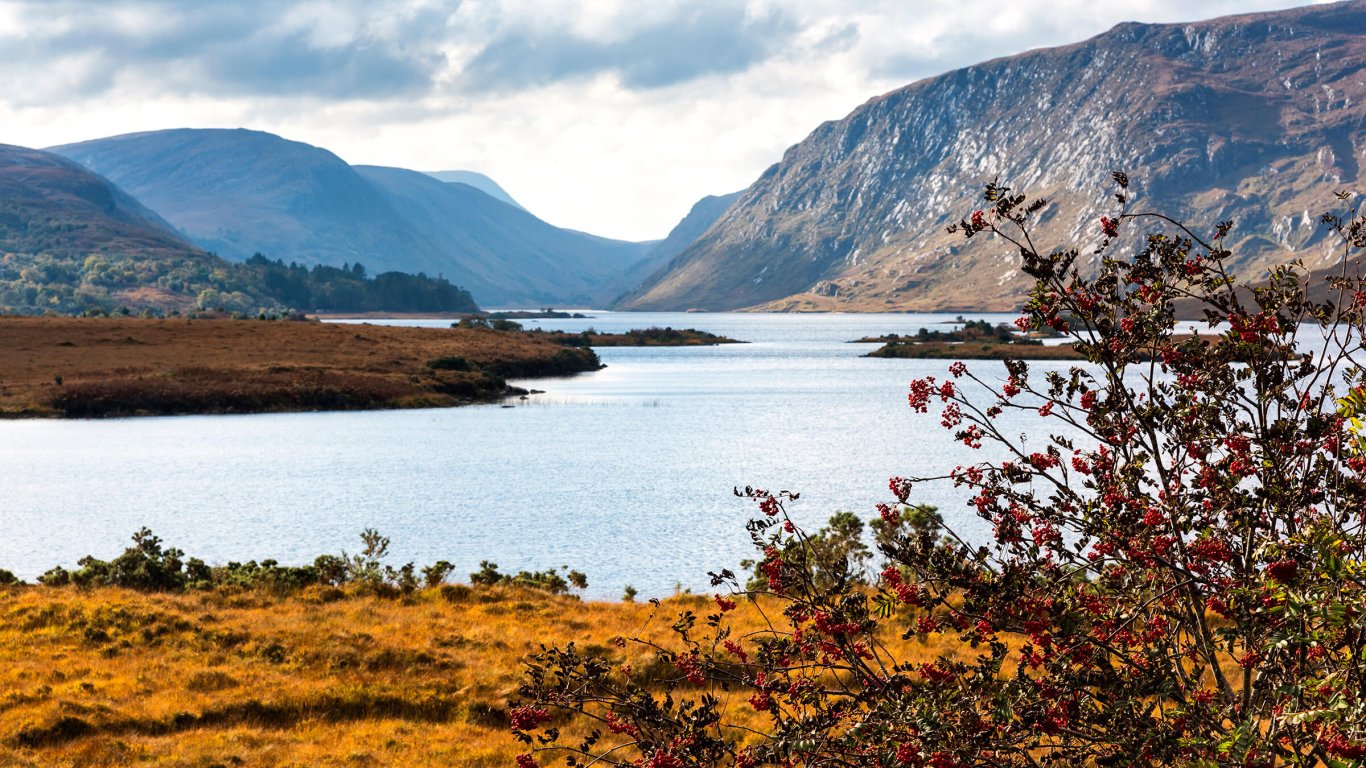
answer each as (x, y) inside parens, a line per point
(71, 240)
(1257, 118)
(699, 219)
(49, 204)
(479, 181)
(484, 240)
(239, 192)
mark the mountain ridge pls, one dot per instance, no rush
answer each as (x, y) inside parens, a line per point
(239, 192)
(479, 181)
(1251, 117)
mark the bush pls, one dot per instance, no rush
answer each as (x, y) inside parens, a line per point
(145, 566)
(1176, 575)
(545, 581)
(450, 363)
(435, 574)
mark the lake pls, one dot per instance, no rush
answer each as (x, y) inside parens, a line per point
(625, 474)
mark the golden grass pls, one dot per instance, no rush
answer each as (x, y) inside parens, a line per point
(110, 677)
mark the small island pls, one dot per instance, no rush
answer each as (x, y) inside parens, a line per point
(976, 340)
(640, 337)
(548, 313)
(636, 337)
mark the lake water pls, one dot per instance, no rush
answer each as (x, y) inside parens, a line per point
(625, 474)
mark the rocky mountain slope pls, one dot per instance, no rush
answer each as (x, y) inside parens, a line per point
(239, 192)
(701, 216)
(1257, 118)
(70, 240)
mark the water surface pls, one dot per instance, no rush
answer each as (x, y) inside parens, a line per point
(626, 473)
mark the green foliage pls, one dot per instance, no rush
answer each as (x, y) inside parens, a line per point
(348, 289)
(33, 283)
(636, 337)
(835, 554)
(150, 566)
(450, 363)
(67, 282)
(546, 581)
(435, 574)
(268, 575)
(145, 566)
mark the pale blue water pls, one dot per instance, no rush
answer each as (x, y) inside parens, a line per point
(625, 474)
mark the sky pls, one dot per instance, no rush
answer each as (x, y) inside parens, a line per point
(607, 116)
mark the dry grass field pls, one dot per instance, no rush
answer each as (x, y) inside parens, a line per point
(106, 366)
(109, 677)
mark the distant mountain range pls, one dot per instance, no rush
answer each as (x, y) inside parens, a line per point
(504, 255)
(1257, 118)
(73, 242)
(240, 192)
(479, 181)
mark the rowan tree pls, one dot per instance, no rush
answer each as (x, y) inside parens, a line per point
(1175, 578)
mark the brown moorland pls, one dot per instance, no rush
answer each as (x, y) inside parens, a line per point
(323, 677)
(59, 366)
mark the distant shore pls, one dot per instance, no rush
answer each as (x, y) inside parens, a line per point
(975, 350)
(325, 316)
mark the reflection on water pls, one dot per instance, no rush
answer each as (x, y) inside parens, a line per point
(625, 473)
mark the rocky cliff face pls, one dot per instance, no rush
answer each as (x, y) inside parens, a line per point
(1256, 118)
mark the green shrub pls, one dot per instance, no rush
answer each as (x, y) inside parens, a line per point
(450, 363)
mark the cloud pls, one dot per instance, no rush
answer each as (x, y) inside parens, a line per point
(699, 39)
(610, 116)
(330, 51)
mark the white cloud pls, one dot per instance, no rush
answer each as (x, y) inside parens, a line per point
(611, 116)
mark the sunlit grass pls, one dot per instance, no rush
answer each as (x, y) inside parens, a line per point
(109, 677)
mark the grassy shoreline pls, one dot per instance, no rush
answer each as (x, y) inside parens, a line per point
(97, 367)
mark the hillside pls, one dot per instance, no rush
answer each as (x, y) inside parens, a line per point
(240, 192)
(504, 255)
(1257, 118)
(699, 218)
(479, 181)
(71, 240)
